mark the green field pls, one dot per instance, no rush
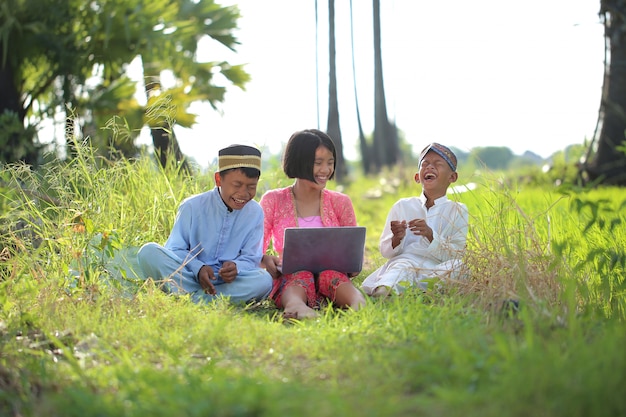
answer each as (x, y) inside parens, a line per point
(537, 330)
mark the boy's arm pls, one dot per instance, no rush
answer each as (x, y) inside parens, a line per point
(398, 231)
(449, 243)
(178, 240)
(386, 243)
(251, 252)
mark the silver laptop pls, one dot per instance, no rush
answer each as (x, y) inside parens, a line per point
(317, 249)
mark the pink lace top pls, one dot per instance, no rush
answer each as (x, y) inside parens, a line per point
(280, 212)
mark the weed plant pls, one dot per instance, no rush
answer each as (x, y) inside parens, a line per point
(537, 328)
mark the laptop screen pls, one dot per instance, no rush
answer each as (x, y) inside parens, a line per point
(317, 249)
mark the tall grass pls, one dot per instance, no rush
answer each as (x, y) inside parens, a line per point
(537, 328)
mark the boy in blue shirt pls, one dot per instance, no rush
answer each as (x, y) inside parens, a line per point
(216, 244)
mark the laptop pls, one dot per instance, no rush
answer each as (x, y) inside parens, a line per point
(317, 249)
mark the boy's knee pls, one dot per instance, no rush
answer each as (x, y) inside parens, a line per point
(147, 253)
(149, 247)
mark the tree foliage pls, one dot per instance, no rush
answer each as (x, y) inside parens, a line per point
(189, 22)
(71, 56)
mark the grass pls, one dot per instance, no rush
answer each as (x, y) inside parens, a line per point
(81, 337)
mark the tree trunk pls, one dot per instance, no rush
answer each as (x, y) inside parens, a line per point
(10, 105)
(365, 153)
(9, 99)
(71, 137)
(608, 164)
(385, 144)
(163, 137)
(333, 129)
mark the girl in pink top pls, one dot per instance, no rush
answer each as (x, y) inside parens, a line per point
(310, 158)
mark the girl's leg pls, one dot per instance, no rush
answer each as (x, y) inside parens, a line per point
(294, 302)
(297, 295)
(338, 287)
(348, 296)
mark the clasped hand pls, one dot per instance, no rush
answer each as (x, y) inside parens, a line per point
(272, 265)
(228, 273)
(417, 226)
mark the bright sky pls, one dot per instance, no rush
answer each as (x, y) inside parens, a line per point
(526, 75)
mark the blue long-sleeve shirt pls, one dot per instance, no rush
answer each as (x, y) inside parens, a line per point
(205, 232)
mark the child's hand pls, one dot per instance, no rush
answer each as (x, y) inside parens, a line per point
(398, 228)
(228, 271)
(420, 228)
(205, 276)
(271, 264)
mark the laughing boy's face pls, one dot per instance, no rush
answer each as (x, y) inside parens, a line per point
(236, 188)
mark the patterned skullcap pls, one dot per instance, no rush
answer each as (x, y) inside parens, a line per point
(442, 151)
(239, 156)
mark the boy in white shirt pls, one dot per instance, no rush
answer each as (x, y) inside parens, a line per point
(426, 236)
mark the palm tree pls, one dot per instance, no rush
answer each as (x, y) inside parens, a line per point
(333, 129)
(385, 143)
(188, 22)
(365, 153)
(606, 159)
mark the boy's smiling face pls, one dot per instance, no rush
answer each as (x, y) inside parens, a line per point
(435, 175)
(236, 188)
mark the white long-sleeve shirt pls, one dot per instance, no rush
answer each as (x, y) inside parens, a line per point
(416, 257)
(447, 218)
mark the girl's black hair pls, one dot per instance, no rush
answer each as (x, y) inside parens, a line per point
(299, 156)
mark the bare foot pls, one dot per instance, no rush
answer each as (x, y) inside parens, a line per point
(357, 303)
(381, 291)
(299, 312)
